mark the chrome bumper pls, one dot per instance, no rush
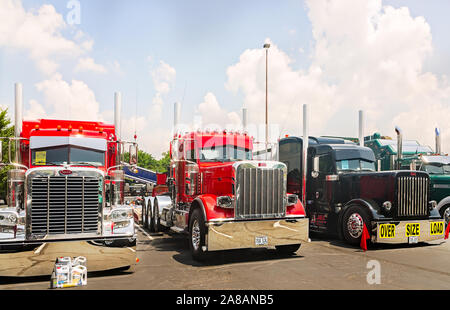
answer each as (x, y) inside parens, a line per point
(400, 232)
(24, 260)
(237, 235)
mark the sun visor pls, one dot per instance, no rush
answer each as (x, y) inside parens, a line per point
(39, 142)
(357, 153)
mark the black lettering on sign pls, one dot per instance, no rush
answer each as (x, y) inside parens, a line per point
(387, 230)
(436, 228)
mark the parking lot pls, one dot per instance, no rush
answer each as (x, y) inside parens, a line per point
(165, 263)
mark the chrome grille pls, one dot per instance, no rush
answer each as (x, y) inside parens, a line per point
(64, 205)
(412, 196)
(260, 193)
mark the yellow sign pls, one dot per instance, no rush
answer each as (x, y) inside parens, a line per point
(387, 230)
(41, 158)
(436, 228)
(412, 229)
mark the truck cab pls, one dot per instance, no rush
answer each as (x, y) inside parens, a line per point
(416, 156)
(65, 198)
(345, 193)
(223, 199)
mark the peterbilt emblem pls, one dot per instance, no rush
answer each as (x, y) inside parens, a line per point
(65, 172)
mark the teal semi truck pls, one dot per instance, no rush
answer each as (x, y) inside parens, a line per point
(414, 156)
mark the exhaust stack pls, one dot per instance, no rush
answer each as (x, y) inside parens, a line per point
(438, 141)
(18, 117)
(117, 112)
(305, 151)
(361, 128)
(176, 117)
(399, 146)
(244, 118)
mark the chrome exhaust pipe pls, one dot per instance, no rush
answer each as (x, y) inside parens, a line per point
(244, 119)
(18, 117)
(305, 151)
(176, 117)
(117, 114)
(361, 128)
(399, 146)
(438, 141)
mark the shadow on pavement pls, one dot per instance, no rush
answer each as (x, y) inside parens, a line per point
(173, 242)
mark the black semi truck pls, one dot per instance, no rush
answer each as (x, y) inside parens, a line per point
(344, 191)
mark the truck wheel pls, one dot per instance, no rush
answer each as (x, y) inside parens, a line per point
(150, 222)
(352, 224)
(157, 227)
(197, 233)
(445, 213)
(144, 214)
(287, 249)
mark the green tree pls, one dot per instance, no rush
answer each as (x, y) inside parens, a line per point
(6, 130)
(147, 161)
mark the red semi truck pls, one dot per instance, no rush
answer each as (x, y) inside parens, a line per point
(65, 197)
(223, 199)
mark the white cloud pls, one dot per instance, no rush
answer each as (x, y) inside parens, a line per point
(65, 101)
(163, 77)
(88, 64)
(213, 115)
(365, 56)
(37, 32)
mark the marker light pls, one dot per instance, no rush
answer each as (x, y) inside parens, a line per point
(81, 129)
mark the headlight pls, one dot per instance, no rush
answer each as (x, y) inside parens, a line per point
(8, 218)
(292, 199)
(225, 202)
(433, 204)
(387, 205)
(118, 215)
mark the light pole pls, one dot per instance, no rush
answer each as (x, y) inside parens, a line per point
(267, 46)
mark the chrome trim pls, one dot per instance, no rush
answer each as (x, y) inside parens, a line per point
(242, 234)
(412, 196)
(260, 189)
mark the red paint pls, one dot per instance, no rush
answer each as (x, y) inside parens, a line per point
(64, 128)
(214, 179)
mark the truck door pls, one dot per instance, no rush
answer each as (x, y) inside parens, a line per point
(320, 190)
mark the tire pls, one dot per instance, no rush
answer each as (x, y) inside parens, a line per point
(287, 249)
(150, 223)
(352, 224)
(144, 214)
(157, 227)
(197, 234)
(445, 213)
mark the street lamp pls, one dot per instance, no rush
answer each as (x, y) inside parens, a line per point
(267, 46)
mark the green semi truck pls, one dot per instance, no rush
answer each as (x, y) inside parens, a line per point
(414, 156)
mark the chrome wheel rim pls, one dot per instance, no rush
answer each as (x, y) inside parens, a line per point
(195, 235)
(447, 215)
(355, 225)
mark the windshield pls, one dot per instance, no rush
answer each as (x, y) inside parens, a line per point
(436, 168)
(355, 165)
(224, 153)
(67, 155)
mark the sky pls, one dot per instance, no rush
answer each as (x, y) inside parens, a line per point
(388, 58)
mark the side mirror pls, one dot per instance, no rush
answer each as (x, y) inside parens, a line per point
(133, 154)
(316, 164)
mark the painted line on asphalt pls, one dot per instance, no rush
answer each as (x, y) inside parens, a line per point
(145, 233)
(40, 248)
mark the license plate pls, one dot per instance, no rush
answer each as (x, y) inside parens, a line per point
(261, 240)
(413, 239)
(412, 230)
(386, 231)
(436, 228)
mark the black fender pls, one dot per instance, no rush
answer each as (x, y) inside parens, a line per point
(197, 203)
(369, 205)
